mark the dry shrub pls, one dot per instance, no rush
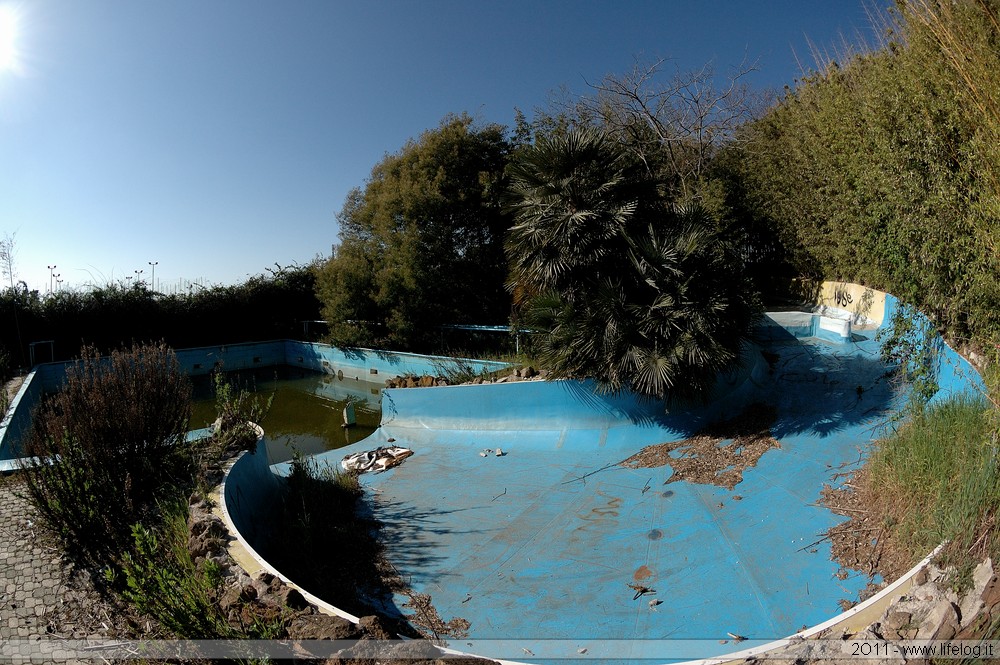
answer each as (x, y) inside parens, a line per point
(108, 446)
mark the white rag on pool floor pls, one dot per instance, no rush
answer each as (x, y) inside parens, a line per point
(376, 460)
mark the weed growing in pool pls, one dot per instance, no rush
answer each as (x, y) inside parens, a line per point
(323, 542)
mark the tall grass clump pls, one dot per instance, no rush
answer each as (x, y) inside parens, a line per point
(323, 541)
(108, 446)
(937, 478)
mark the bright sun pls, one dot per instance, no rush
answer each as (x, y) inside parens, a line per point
(8, 38)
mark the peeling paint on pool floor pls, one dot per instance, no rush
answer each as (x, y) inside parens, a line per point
(549, 541)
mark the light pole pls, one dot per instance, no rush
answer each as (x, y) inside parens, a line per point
(137, 276)
(59, 283)
(152, 276)
(51, 276)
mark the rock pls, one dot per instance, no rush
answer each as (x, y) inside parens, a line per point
(478, 381)
(426, 381)
(233, 598)
(897, 620)
(292, 599)
(322, 627)
(991, 592)
(528, 372)
(441, 381)
(972, 602)
(414, 650)
(206, 524)
(502, 379)
(376, 628)
(411, 382)
(975, 627)
(204, 546)
(940, 623)
(921, 577)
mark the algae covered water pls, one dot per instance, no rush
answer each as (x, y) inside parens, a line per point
(307, 408)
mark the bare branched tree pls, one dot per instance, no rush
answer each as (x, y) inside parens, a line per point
(7, 251)
(674, 123)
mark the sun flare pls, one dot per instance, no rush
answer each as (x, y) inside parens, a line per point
(9, 56)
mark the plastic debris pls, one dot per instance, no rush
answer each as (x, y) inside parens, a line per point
(378, 460)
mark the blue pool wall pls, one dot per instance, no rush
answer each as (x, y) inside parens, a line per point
(783, 325)
(954, 374)
(360, 364)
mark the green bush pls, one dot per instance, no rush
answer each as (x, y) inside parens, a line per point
(239, 412)
(163, 581)
(108, 446)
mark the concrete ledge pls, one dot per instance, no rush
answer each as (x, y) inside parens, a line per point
(235, 510)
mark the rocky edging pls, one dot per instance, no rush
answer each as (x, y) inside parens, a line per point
(930, 609)
(526, 373)
(244, 599)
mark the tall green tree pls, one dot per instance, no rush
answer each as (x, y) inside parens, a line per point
(421, 244)
(625, 287)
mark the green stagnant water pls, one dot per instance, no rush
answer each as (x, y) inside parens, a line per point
(307, 408)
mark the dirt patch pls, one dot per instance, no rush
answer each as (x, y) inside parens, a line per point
(718, 454)
(865, 542)
(10, 389)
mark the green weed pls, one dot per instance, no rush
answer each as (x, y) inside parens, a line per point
(938, 479)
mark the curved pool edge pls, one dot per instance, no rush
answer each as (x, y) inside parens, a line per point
(254, 465)
(849, 622)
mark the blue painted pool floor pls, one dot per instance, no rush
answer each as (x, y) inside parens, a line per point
(545, 541)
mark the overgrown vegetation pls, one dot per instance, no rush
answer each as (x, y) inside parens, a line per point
(111, 474)
(162, 580)
(883, 167)
(336, 554)
(108, 447)
(264, 307)
(240, 413)
(937, 478)
(421, 245)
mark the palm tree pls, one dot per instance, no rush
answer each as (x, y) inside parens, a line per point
(625, 288)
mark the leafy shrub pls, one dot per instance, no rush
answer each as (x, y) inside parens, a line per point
(163, 581)
(622, 285)
(108, 446)
(239, 411)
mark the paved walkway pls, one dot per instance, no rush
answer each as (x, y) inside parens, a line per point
(36, 597)
(32, 576)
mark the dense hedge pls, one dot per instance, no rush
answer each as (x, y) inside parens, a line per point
(885, 169)
(270, 306)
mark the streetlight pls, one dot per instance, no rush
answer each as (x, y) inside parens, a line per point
(152, 277)
(137, 275)
(51, 277)
(58, 283)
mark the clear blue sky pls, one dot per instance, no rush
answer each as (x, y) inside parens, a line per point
(219, 137)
